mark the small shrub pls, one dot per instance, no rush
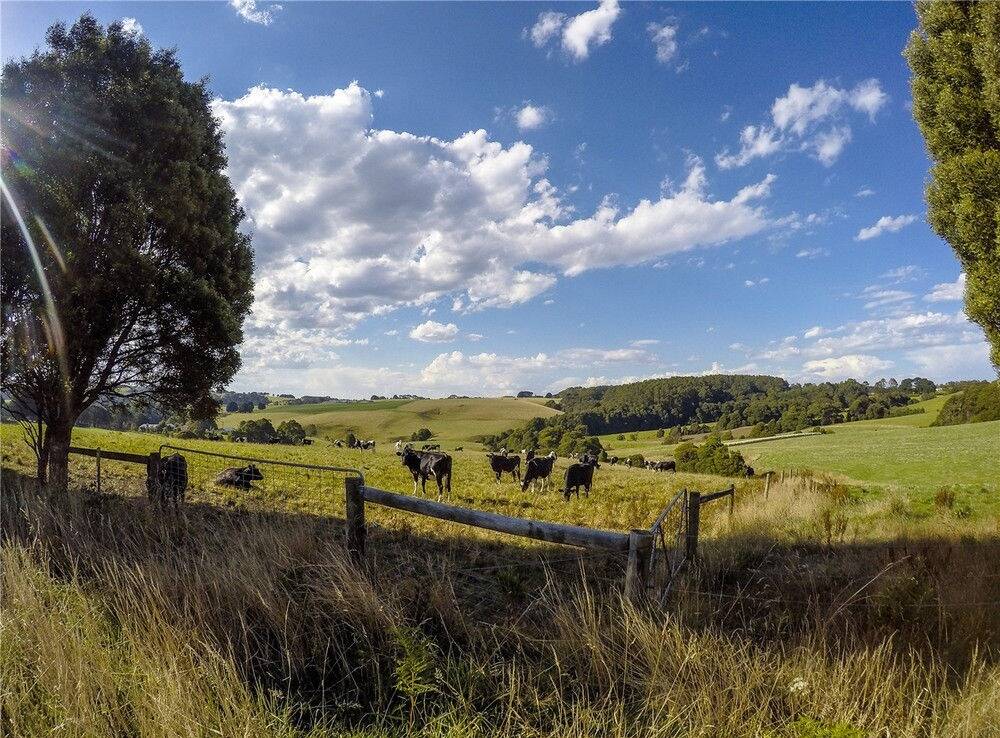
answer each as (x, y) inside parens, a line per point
(945, 498)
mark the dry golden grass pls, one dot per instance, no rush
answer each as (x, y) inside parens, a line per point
(120, 621)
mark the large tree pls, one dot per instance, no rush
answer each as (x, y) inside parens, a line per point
(124, 270)
(955, 59)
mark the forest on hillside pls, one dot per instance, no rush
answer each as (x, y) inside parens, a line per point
(770, 404)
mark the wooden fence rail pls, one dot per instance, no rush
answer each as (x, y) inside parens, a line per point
(638, 543)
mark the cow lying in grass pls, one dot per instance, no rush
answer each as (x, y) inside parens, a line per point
(538, 469)
(502, 463)
(580, 475)
(239, 477)
(424, 464)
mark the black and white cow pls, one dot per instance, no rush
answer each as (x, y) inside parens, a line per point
(580, 475)
(501, 463)
(239, 477)
(665, 466)
(424, 464)
(538, 468)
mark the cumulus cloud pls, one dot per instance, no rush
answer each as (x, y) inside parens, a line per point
(947, 291)
(131, 26)
(664, 37)
(885, 224)
(578, 34)
(248, 11)
(529, 117)
(856, 366)
(811, 119)
(431, 331)
(350, 221)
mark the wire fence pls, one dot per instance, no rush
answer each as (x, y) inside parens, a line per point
(242, 479)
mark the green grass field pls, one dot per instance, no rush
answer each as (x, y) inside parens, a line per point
(458, 420)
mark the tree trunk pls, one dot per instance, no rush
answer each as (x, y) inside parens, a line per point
(58, 441)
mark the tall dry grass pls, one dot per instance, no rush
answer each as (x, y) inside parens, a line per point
(117, 621)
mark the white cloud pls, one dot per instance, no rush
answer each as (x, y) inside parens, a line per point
(815, 332)
(856, 366)
(947, 291)
(906, 273)
(878, 297)
(644, 342)
(475, 337)
(431, 331)
(885, 224)
(757, 283)
(797, 121)
(392, 332)
(131, 26)
(812, 253)
(547, 27)
(864, 192)
(249, 11)
(349, 221)
(531, 117)
(579, 34)
(664, 37)
(727, 110)
(954, 361)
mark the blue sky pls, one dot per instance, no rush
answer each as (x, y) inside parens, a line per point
(481, 198)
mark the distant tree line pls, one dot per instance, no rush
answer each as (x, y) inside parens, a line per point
(769, 404)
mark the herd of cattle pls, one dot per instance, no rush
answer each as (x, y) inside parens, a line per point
(171, 478)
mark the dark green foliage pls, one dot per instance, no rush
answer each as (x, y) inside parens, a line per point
(687, 404)
(232, 407)
(636, 460)
(117, 168)
(256, 431)
(291, 432)
(525, 393)
(711, 457)
(559, 433)
(422, 435)
(955, 60)
(977, 403)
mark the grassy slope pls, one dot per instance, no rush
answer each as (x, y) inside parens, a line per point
(383, 420)
(903, 453)
(622, 498)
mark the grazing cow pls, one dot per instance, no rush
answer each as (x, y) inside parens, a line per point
(431, 447)
(338, 444)
(459, 448)
(749, 472)
(171, 480)
(613, 460)
(665, 466)
(423, 464)
(399, 447)
(538, 468)
(500, 463)
(528, 453)
(580, 475)
(238, 477)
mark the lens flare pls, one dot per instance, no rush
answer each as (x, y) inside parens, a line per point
(50, 320)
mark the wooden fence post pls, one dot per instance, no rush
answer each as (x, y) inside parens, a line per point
(732, 500)
(767, 483)
(693, 518)
(98, 471)
(640, 550)
(153, 476)
(355, 499)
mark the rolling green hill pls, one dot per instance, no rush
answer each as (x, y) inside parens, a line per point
(451, 420)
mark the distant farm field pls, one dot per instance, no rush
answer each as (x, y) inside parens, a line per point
(451, 420)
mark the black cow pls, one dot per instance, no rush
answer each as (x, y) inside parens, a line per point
(529, 454)
(501, 463)
(665, 466)
(423, 464)
(580, 475)
(459, 448)
(431, 447)
(538, 468)
(171, 480)
(613, 460)
(238, 477)
(750, 471)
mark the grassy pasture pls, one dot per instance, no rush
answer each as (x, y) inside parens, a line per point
(451, 420)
